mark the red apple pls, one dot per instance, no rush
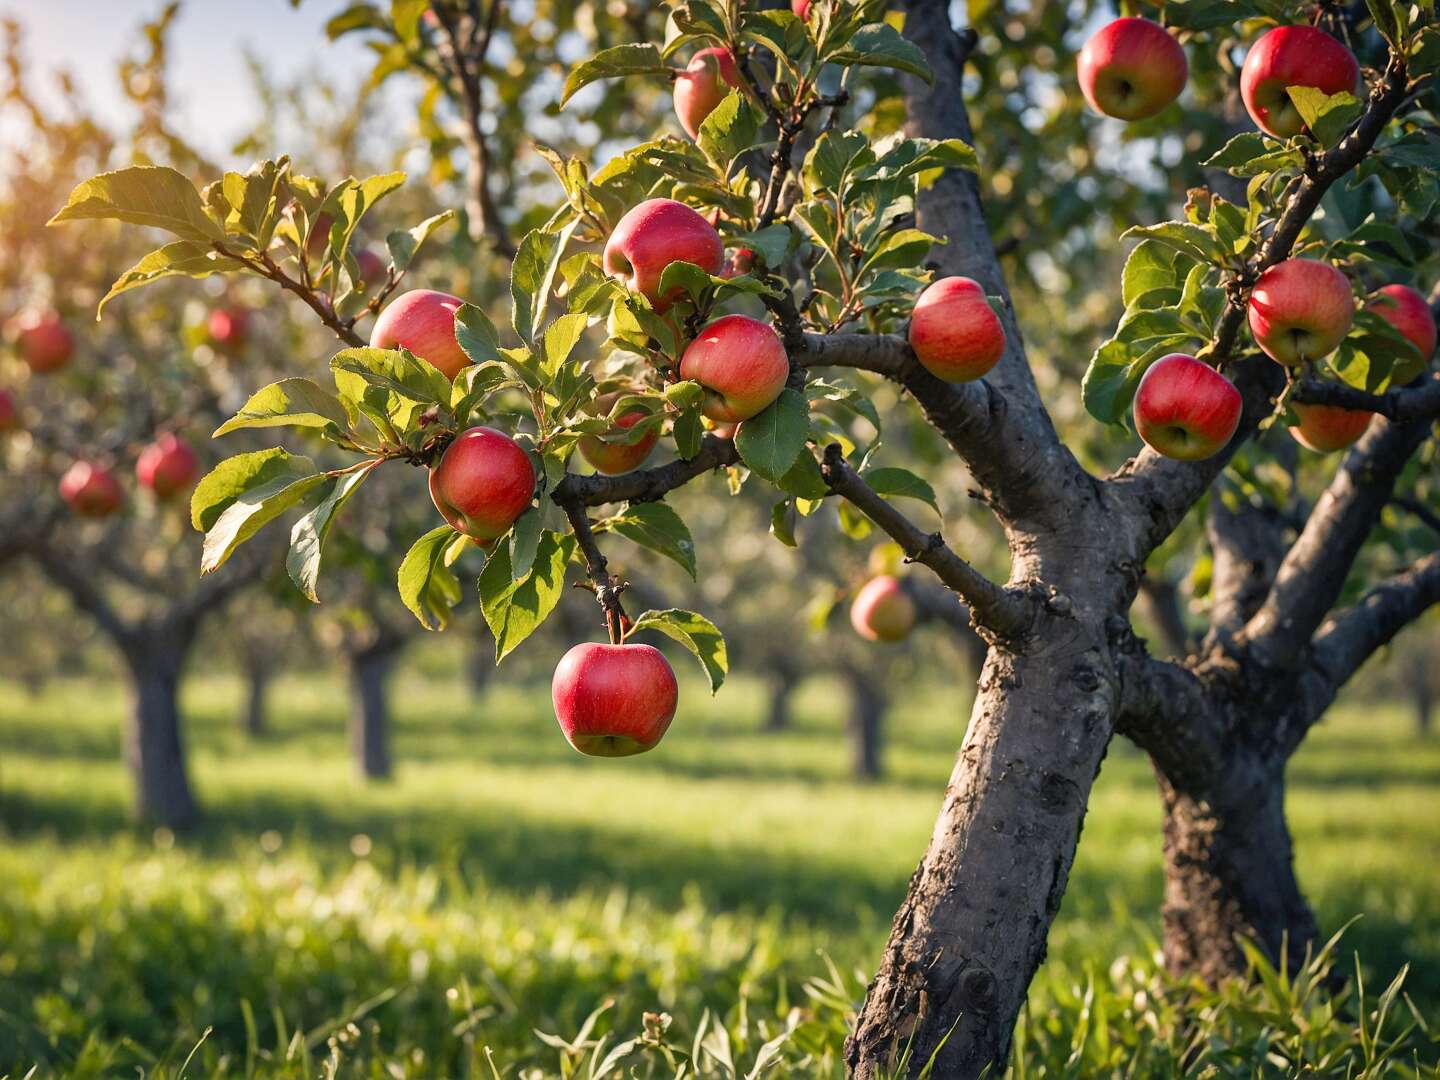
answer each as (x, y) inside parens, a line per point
(1132, 68)
(372, 267)
(423, 321)
(652, 236)
(614, 700)
(318, 241)
(229, 328)
(9, 411)
(45, 342)
(1292, 56)
(705, 82)
(742, 261)
(613, 458)
(882, 610)
(1300, 310)
(483, 483)
(91, 489)
(720, 430)
(1185, 409)
(1323, 428)
(955, 332)
(167, 466)
(801, 8)
(1406, 310)
(741, 362)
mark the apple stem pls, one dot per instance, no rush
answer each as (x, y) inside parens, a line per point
(607, 589)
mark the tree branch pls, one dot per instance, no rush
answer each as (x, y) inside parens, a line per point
(607, 591)
(1167, 710)
(1421, 402)
(58, 567)
(1005, 613)
(644, 485)
(1427, 516)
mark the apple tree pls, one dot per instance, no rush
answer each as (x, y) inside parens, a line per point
(736, 293)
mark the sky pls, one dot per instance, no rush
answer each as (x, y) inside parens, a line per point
(208, 44)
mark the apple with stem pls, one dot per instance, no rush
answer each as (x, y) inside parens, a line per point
(1185, 409)
(91, 489)
(954, 331)
(1406, 310)
(710, 76)
(613, 458)
(484, 481)
(1300, 309)
(423, 321)
(1324, 428)
(650, 237)
(742, 364)
(882, 610)
(167, 466)
(229, 328)
(44, 341)
(1292, 56)
(1131, 68)
(614, 700)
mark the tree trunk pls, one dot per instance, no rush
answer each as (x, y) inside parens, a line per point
(1230, 874)
(154, 747)
(257, 685)
(782, 689)
(971, 931)
(370, 669)
(867, 714)
(1417, 681)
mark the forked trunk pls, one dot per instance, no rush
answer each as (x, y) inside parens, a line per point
(971, 932)
(154, 747)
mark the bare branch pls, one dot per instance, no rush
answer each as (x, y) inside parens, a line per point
(1410, 403)
(58, 567)
(645, 485)
(265, 266)
(1006, 613)
(1414, 506)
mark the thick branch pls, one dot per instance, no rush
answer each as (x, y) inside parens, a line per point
(1006, 613)
(645, 485)
(1247, 545)
(1411, 403)
(1167, 710)
(58, 567)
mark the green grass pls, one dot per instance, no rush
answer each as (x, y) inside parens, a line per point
(502, 884)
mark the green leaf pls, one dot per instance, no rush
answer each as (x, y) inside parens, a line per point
(525, 541)
(770, 442)
(911, 156)
(289, 403)
(428, 587)
(896, 483)
(804, 479)
(1194, 240)
(234, 476)
(307, 538)
(696, 633)
(657, 527)
(1150, 266)
(402, 244)
(834, 156)
(250, 511)
(1114, 373)
(686, 394)
(782, 522)
(144, 195)
(532, 276)
(560, 339)
(770, 243)
(880, 45)
(181, 257)
(613, 63)
(514, 609)
(476, 334)
(900, 248)
(393, 370)
(1328, 116)
(688, 432)
(731, 128)
(1207, 14)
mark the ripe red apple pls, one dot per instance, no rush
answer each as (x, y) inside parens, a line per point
(423, 321)
(650, 237)
(741, 261)
(483, 483)
(9, 411)
(44, 341)
(801, 8)
(91, 489)
(1406, 310)
(614, 700)
(882, 610)
(741, 362)
(1323, 428)
(167, 466)
(706, 80)
(614, 458)
(229, 327)
(1292, 56)
(1185, 409)
(372, 267)
(1301, 309)
(1131, 68)
(955, 332)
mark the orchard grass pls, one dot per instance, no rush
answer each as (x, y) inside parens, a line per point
(738, 882)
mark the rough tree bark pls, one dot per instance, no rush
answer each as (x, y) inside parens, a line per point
(154, 747)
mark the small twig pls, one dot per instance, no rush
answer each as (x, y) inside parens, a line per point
(606, 588)
(1413, 506)
(265, 266)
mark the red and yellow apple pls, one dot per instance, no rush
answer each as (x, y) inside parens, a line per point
(1324, 428)
(484, 481)
(229, 327)
(742, 364)
(167, 466)
(650, 237)
(1406, 310)
(1300, 310)
(44, 341)
(613, 458)
(882, 610)
(1131, 68)
(1292, 56)
(955, 332)
(705, 82)
(614, 700)
(423, 321)
(1185, 409)
(91, 489)
(801, 8)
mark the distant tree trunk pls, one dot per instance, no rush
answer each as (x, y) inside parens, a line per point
(781, 683)
(154, 748)
(257, 685)
(480, 667)
(867, 714)
(370, 668)
(1417, 678)
(1160, 600)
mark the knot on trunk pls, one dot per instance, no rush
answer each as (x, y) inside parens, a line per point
(975, 990)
